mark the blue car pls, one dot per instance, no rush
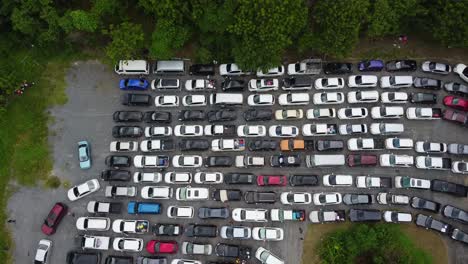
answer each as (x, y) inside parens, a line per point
(84, 154)
(371, 65)
(143, 208)
(134, 84)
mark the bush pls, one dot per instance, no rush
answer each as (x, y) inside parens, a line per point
(52, 182)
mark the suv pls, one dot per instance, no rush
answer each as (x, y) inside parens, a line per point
(359, 215)
(297, 83)
(202, 69)
(429, 222)
(423, 204)
(252, 197)
(170, 84)
(449, 188)
(194, 230)
(133, 99)
(423, 98)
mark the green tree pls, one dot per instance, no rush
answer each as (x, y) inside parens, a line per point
(127, 41)
(264, 29)
(382, 20)
(81, 20)
(450, 26)
(167, 38)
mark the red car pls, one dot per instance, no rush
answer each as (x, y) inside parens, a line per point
(355, 160)
(53, 219)
(458, 117)
(272, 180)
(456, 103)
(162, 247)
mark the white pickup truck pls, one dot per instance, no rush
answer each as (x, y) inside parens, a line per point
(120, 191)
(358, 144)
(95, 242)
(373, 182)
(96, 207)
(236, 144)
(130, 226)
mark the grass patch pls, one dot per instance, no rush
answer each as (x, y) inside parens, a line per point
(52, 182)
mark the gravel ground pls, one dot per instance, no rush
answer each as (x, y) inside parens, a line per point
(94, 96)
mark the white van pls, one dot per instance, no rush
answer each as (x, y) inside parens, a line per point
(170, 67)
(324, 160)
(132, 67)
(223, 99)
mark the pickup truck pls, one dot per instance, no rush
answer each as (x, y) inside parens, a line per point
(394, 199)
(307, 66)
(249, 161)
(120, 191)
(309, 130)
(296, 144)
(282, 215)
(359, 144)
(236, 144)
(96, 207)
(94, 242)
(373, 182)
(130, 226)
(220, 130)
(433, 163)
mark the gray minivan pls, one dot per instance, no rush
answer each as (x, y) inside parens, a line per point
(170, 67)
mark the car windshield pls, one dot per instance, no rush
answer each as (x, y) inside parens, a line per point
(392, 159)
(264, 256)
(262, 233)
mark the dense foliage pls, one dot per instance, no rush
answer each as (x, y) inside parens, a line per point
(377, 244)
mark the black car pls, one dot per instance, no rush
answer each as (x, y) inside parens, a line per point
(222, 115)
(459, 235)
(191, 115)
(303, 180)
(119, 260)
(116, 175)
(329, 145)
(162, 117)
(219, 161)
(337, 68)
(194, 144)
(421, 203)
(456, 88)
(252, 197)
(132, 99)
(360, 215)
(285, 161)
(239, 178)
(449, 188)
(225, 195)
(216, 213)
(127, 131)
(127, 116)
(233, 251)
(202, 69)
(118, 161)
(423, 98)
(455, 213)
(401, 65)
(167, 230)
(263, 145)
(258, 115)
(194, 230)
(80, 257)
(430, 223)
(357, 198)
(233, 85)
(427, 83)
(298, 83)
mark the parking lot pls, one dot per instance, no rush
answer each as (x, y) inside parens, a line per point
(94, 96)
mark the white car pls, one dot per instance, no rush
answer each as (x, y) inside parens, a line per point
(260, 100)
(93, 223)
(294, 99)
(190, 248)
(208, 177)
(352, 113)
(386, 128)
(263, 85)
(194, 100)
(188, 130)
(147, 161)
(191, 194)
(363, 144)
(394, 97)
(423, 113)
(387, 112)
(460, 167)
(119, 146)
(166, 101)
(130, 226)
(266, 257)
(436, 67)
(250, 215)
(95, 242)
(397, 217)
(156, 192)
(283, 131)
(82, 190)
(147, 177)
(43, 252)
(327, 198)
(318, 129)
(196, 85)
(329, 83)
(339, 180)
(392, 199)
(289, 114)
(293, 198)
(180, 212)
(328, 98)
(361, 97)
(187, 161)
(362, 81)
(399, 143)
(185, 261)
(251, 131)
(158, 131)
(392, 160)
(267, 233)
(235, 232)
(430, 147)
(462, 71)
(120, 191)
(396, 82)
(177, 177)
(352, 129)
(433, 163)
(153, 145)
(321, 113)
(230, 69)
(409, 182)
(276, 71)
(125, 244)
